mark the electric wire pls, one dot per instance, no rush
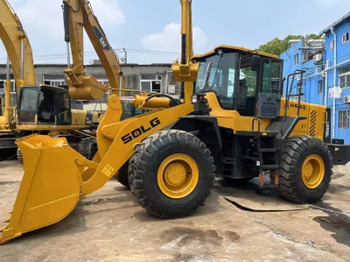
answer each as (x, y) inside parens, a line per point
(92, 53)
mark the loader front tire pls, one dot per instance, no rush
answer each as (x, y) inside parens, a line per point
(122, 177)
(171, 173)
(306, 170)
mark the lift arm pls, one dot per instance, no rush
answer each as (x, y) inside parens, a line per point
(17, 46)
(78, 15)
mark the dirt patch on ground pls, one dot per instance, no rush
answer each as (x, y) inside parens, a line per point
(336, 222)
(185, 236)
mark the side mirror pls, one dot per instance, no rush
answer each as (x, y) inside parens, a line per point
(256, 63)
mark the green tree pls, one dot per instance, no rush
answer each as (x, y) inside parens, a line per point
(278, 46)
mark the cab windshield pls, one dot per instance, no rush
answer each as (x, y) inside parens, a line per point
(217, 74)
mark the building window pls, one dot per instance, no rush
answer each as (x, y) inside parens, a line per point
(296, 59)
(331, 44)
(308, 55)
(151, 83)
(2, 86)
(55, 82)
(344, 119)
(344, 77)
(103, 81)
(320, 87)
(345, 38)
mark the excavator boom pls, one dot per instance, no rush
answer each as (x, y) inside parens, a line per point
(17, 46)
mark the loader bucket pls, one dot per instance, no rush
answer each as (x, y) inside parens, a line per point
(50, 188)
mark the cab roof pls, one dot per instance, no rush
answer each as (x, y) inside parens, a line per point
(235, 48)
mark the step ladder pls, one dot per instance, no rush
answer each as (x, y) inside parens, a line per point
(264, 153)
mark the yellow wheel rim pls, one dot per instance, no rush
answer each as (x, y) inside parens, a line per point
(313, 171)
(178, 176)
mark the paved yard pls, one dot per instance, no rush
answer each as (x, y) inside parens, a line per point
(236, 224)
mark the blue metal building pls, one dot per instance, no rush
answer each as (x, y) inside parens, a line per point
(327, 68)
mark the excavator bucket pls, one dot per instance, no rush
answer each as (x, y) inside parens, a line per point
(50, 188)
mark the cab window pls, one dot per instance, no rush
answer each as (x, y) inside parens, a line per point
(29, 99)
(46, 108)
(247, 87)
(271, 77)
(62, 104)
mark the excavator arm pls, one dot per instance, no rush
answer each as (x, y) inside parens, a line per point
(78, 15)
(186, 71)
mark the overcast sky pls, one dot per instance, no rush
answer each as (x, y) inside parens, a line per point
(155, 24)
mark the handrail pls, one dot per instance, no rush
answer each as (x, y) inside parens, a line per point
(289, 91)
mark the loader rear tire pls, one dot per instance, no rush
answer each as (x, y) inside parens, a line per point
(171, 173)
(306, 170)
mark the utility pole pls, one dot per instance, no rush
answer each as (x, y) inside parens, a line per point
(125, 56)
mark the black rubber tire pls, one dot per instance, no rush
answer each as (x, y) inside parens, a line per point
(296, 150)
(87, 147)
(143, 168)
(123, 178)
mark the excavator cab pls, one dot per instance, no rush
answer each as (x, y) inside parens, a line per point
(44, 105)
(242, 81)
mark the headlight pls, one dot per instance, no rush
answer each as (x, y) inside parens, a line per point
(194, 99)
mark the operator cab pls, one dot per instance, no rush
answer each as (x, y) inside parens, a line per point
(44, 105)
(243, 80)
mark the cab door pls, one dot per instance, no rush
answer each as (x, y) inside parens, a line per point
(63, 107)
(27, 104)
(269, 97)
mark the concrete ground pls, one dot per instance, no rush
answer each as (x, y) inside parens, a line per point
(236, 224)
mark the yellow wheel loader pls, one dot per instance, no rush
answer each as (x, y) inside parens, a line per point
(233, 123)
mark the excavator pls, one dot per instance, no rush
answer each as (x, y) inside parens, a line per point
(47, 109)
(20, 54)
(234, 122)
(41, 108)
